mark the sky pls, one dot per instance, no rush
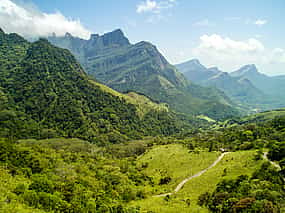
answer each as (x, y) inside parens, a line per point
(222, 33)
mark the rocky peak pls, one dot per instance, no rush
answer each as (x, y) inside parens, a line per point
(116, 37)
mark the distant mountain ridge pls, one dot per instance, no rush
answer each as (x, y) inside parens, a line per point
(274, 86)
(140, 67)
(244, 86)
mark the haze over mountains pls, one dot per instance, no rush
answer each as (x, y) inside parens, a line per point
(140, 67)
(246, 86)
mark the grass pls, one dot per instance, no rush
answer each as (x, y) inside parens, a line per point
(143, 103)
(234, 164)
(174, 161)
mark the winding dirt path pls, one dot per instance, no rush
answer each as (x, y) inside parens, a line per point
(182, 183)
(273, 163)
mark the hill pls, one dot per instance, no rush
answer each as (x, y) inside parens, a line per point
(46, 93)
(271, 85)
(140, 67)
(240, 86)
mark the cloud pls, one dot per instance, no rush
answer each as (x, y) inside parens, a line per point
(155, 9)
(152, 6)
(29, 22)
(147, 6)
(260, 22)
(230, 54)
(203, 23)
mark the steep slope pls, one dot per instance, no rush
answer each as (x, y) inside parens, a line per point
(141, 68)
(269, 85)
(48, 85)
(239, 85)
(194, 71)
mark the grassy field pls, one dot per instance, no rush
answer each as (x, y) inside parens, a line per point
(176, 162)
(231, 166)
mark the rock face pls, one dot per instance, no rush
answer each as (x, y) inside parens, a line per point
(245, 86)
(140, 67)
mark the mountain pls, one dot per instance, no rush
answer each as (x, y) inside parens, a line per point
(44, 91)
(195, 71)
(274, 86)
(140, 67)
(239, 86)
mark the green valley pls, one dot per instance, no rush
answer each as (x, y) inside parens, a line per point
(97, 120)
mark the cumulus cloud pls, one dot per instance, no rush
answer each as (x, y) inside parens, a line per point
(29, 22)
(260, 22)
(230, 54)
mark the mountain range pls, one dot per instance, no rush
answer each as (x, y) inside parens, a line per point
(246, 86)
(44, 92)
(123, 66)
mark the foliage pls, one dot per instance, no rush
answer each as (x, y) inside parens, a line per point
(62, 175)
(44, 93)
(263, 192)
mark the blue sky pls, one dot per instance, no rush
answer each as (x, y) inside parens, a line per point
(223, 33)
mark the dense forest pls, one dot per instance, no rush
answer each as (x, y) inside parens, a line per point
(45, 93)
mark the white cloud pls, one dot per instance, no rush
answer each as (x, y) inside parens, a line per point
(147, 6)
(153, 6)
(260, 22)
(230, 54)
(203, 23)
(155, 9)
(29, 22)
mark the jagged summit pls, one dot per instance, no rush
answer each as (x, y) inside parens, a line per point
(249, 69)
(115, 37)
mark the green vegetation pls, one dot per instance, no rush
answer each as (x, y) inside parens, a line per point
(50, 111)
(141, 68)
(66, 175)
(143, 104)
(174, 163)
(262, 192)
(263, 116)
(231, 166)
(46, 94)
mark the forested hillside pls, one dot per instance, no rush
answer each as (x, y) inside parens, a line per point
(45, 93)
